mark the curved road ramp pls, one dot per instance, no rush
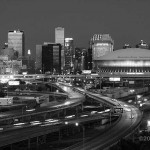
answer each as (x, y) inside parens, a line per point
(128, 123)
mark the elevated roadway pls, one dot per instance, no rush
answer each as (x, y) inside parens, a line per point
(73, 99)
(98, 97)
(38, 128)
(129, 122)
(134, 75)
(126, 126)
(123, 128)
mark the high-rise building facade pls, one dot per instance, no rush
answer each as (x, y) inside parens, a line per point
(89, 59)
(59, 35)
(56, 58)
(16, 40)
(69, 55)
(51, 58)
(80, 62)
(84, 59)
(102, 44)
(38, 60)
(60, 38)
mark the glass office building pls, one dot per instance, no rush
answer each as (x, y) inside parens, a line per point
(16, 40)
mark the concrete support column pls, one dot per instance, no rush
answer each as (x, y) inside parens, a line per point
(29, 146)
(37, 142)
(82, 108)
(77, 111)
(44, 116)
(59, 138)
(64, 112)
(58, 114)
(11, 146)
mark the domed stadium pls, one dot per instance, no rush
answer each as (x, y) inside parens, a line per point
(130, 60)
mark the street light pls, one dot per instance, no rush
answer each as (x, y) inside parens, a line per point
(77, 124)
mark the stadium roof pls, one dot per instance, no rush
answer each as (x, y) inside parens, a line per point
(128, 54)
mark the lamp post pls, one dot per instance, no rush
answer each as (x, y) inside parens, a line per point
(83, 136)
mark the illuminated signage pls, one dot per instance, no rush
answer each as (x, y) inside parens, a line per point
(135, 73)
(100, 50)
(24, 73)
(131, 82)
(13, 82)
(101, 44)
(114, 79)
(86, 71)
(125, 63)
(148, 123)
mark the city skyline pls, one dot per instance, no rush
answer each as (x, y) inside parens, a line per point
(126, 21)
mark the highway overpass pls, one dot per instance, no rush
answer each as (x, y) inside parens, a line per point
(123, 128)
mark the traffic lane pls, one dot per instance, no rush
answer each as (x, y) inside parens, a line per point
(113, 134)
(29, 130)
(67, 119)
(25, 133)
(48, 108)
(70, 91)
(112, 140)
(125, 128)
(106, 136)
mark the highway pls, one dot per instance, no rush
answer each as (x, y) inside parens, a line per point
(131, 117)
(26, 130)
(74, 98)
(124, 126)
(36, 128)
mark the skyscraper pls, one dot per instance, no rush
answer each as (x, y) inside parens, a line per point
(89, 59)
(80, 62)
(60, 38)
(69, 55)
(51, 58)
(16, 40)
(102, 44)
(38, 61)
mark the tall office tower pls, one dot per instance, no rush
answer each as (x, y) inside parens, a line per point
(69, 55)
(84, 59)
(102, 44)
(80, 59)
(89, 59)
(38, 57)
(60, 38)
(16, 40)
(77, 63)
(51, 58)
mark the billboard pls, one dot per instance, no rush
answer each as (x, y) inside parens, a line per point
(86, 71)
(114, 79)
(131, 82)
(13, 82)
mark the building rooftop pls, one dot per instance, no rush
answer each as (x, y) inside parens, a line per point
(128, 54)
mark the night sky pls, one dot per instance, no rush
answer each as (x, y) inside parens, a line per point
(127, 21)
